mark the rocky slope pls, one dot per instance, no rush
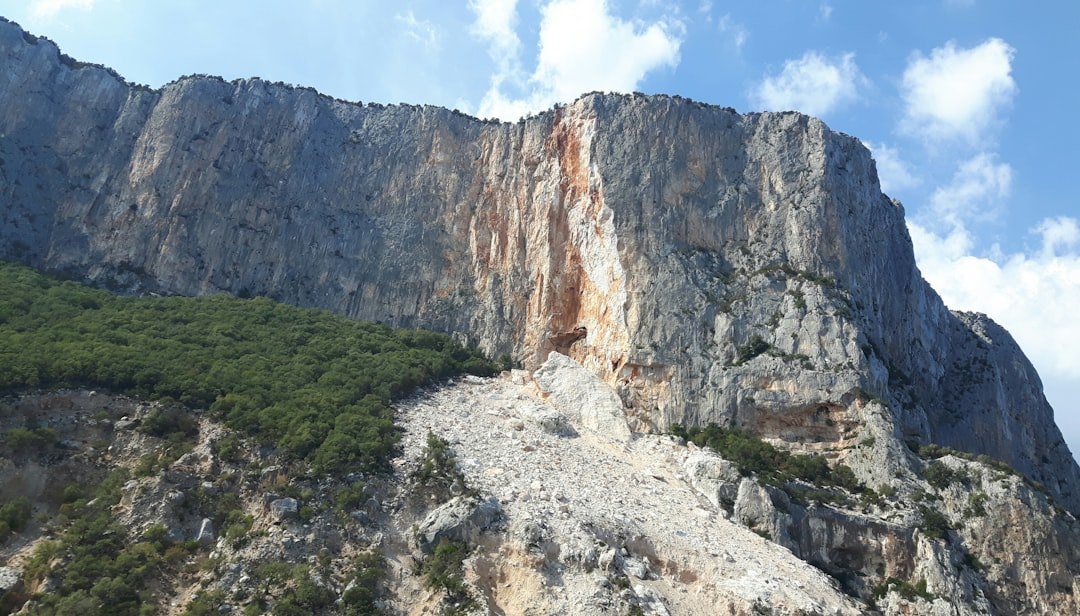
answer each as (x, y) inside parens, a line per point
(680, 235)
(704, 266)
(559, 516)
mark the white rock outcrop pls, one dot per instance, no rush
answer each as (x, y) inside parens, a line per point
(580, 395)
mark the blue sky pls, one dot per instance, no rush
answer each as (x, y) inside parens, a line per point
(965, 103)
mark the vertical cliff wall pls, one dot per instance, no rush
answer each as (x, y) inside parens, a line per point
(742, 269)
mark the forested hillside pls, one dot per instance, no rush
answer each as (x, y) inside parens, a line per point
(315, 384)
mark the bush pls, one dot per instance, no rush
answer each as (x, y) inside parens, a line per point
(444, 571)
(14, 515)
(438, 471)
(940, 475)
(26, 439)
(349, 498)
(359, 600)
(754, 456)
(207, 603)
(934, 523)
(906, 590)
(754, 347)
(976, 507)
(164, 422)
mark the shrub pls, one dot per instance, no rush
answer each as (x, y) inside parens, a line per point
(753, 347)
(349, 498)
(905, 589)
(438, 471)
(359, 600)
(941, 476)
(754, 456)
(164, 422)
(14, 515)
(934, 523)
(444, 571)
(27, 439)
(976, 507)
(207, 603)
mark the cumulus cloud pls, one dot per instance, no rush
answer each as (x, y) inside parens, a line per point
(957, 93)
(894, 173)
(47, 9)
(496, 22)
(1034, 294)
(977, 191)
(1060, 235)
(813, 84)
(582, 47)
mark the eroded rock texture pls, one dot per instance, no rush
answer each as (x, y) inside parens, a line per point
(742, 269)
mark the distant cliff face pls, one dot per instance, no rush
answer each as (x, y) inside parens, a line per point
(741, 269)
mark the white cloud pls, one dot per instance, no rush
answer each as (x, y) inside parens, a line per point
(737, 31)
(976, 192)
(894, 174)
(582, 48)
(1059, 235)
(957, 93)
(813, 84)
(47, 9)
(826, 10)
(420, 30)
(495, 22)
(1033, 295)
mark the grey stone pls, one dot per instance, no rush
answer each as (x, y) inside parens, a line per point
(10, 578)
(459, 519)
(285, 508)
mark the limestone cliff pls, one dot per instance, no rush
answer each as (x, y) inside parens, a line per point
(742, 269)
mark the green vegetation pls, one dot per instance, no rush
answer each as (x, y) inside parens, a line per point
(20, 440)
(314, 384)
(976, 507)
(293, 590)
(906, 590)
(754, 456)
(443, 571)
(303, 596)
(934, 523)
(941, 476)
(13, 516)
(95, 562)
(753, 347)
(438, 472)
(972, 562)
(206, 604)
(359, 600)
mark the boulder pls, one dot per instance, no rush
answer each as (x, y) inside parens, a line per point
(714, 478)
(582, 396)
(459, 519)
(285, 508)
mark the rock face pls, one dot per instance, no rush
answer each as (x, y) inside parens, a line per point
(742, 269)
